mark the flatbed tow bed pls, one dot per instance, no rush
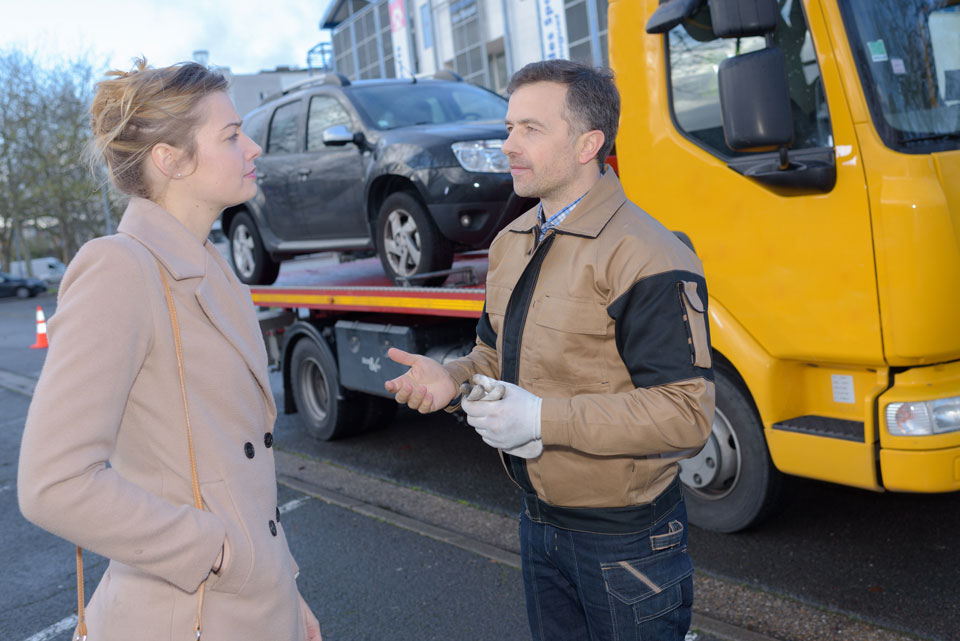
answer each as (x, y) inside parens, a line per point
(328, 329)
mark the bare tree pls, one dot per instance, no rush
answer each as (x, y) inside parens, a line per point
(48, 200)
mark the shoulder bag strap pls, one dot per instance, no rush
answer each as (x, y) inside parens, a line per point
(80, 634)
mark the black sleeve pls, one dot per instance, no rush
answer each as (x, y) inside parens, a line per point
(652, 336)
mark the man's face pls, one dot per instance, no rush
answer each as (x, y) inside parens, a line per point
(540, 145)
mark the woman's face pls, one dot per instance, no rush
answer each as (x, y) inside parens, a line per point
(222, 172)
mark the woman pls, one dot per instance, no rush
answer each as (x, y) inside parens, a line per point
(110, 388)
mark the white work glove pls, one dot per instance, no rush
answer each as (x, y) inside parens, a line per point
(511, 423)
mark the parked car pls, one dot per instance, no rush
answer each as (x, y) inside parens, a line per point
(410, 169)
(20, 287)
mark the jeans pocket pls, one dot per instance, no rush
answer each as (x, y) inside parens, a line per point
(669, 539)
(646, 595)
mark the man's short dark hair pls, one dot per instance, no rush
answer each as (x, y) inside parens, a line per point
(593, 101)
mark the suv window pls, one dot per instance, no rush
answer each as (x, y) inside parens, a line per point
(283, 129)
(395, 105)
(695, 53)
(255, 124)
(325, 111)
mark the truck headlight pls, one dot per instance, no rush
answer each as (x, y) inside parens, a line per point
(482, 156)
(923, 418)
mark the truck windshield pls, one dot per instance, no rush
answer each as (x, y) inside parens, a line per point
(908, 55)
(401, 105)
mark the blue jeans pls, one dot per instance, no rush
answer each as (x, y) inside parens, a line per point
(608, 587)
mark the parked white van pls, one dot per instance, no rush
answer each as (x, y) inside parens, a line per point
(47, 268)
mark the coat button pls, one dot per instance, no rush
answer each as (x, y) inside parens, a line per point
(268, 439)
(248, 449)
(273, 528)
(278, 515)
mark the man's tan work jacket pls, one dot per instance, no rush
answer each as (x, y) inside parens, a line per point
(605, 319)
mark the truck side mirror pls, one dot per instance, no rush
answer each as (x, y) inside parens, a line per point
(755, 101)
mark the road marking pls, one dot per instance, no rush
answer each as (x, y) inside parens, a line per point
(60, 626)
(290, 506)
(4, 488)
(17, 382)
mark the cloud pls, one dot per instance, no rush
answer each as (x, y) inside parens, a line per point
(245, 35)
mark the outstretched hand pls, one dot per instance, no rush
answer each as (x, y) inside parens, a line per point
(425, 387)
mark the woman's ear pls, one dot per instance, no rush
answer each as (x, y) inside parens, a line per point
(166, 159)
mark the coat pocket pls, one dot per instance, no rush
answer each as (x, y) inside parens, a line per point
(237, 566)
(566, 342)
(695, 320)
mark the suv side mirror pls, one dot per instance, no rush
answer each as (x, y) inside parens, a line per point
(755, 101)
(337, 135)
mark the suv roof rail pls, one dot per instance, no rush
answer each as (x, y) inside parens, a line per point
(447, 74)
(329, 78)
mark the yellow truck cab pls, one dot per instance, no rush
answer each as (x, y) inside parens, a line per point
(810, 151)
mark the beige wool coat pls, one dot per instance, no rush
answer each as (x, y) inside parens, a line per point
(104, 461)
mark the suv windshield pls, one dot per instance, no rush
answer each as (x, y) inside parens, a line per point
(402, 105)
(908, 54)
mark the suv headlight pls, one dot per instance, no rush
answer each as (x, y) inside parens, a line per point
(481, 156)
(923, 418)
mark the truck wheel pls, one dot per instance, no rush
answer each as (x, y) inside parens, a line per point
(731, 483)
(409, 242)
(326, 410)
(250, 259)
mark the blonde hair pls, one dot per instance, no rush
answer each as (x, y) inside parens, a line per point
(133, 111)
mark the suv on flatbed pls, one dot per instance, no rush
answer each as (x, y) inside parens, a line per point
(409, 168)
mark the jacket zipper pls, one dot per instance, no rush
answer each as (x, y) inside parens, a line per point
(517, 466)
(686, 324)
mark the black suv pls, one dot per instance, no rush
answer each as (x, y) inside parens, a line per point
(411, 169)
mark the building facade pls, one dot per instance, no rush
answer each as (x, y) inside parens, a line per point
(484, 41)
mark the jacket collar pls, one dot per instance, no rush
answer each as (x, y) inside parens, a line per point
(219, 293)
(167, 238)
(591, 215)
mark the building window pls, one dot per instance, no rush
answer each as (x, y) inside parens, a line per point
(587, 31)
(343, 50)
(468, 47)
(426, 26)
(386, 41)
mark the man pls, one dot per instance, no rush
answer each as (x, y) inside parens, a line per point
(594, 323)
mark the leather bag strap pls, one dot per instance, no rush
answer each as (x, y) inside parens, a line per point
(80, 634)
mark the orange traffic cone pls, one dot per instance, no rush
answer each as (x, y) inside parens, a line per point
(41, 331)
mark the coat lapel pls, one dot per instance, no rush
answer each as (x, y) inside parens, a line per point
(224, 300)
(228, 305)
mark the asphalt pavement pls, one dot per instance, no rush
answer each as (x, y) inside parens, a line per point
(833, 562)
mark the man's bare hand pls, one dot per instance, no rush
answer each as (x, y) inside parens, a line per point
(425, 387)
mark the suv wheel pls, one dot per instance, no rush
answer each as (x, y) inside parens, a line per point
(409, 242)
(251, 262)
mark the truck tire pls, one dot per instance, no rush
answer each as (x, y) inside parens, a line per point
(327, 410)
(731, 483)
(249, 258)
(409, 242)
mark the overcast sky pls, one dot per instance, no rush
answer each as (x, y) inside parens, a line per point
(245, 35)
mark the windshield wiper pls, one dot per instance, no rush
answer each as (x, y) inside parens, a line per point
(932, 138)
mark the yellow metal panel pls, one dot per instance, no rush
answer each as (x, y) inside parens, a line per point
(917, 236)
(934, 471)
(826, 459)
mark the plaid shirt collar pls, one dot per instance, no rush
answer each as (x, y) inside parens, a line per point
(556, 219)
